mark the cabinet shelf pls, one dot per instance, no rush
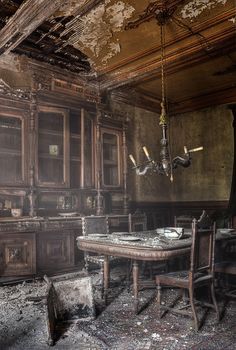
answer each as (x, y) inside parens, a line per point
(48, 156)
(75, 159)
(75, 136)
(110, 162)
(50, 132)
(7, 127)
(11, 152)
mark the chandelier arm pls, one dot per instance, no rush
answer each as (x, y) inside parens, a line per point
(182, 161)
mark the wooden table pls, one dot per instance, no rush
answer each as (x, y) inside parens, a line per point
(148, 248)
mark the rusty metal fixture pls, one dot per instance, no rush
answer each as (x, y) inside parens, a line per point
(166, 165)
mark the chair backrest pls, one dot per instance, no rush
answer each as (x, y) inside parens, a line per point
(94, 224)
(202, 251)
(204, 222)
(138, 221)
(184, 221)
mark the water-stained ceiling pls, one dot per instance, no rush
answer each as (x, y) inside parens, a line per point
(120, 42)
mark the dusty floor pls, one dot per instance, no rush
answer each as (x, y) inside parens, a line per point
(23, 323)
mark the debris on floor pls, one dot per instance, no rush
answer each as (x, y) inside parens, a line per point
(116, 327)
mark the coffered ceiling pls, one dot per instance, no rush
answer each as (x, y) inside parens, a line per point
(118, 42)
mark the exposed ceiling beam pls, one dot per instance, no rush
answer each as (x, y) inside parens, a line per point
(25, 20)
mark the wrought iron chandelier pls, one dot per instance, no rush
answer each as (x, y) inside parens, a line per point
(166, 165)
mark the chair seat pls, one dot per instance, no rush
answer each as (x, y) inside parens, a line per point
(228, 267)
(181, 278)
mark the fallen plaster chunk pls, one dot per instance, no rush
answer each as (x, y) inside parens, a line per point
(195, 8)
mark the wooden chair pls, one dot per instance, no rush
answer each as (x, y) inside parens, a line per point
(225, 268)
(91, 225)
(201, 273)
(184, 221)
(138, 221)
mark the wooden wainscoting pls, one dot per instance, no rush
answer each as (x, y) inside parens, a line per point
(163, 213)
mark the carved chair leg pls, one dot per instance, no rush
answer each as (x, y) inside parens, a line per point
(106, 277)
(185, 296)
(102, 280)
(191, 298)
(86, 264)
(213, 297)
(158, 300)
(128, 273)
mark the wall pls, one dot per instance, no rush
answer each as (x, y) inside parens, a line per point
(208, 178)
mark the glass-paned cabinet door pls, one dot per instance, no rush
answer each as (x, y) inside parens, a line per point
(53, 147)
(81, 149)
(111, 158)
(87, 170)
(75, 148)
(12, 149)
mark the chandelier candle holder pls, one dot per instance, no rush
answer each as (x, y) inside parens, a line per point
(165, 165)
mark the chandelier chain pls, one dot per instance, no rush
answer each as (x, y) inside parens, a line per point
(163, 102)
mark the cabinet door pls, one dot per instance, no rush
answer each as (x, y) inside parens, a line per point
(53, 147)
(81, 149)
(17, 254)
(12, 149)
(55, 251)
(111, 158)
(87, 169)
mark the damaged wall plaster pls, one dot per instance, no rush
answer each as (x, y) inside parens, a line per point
(95, 31)
(195, 8)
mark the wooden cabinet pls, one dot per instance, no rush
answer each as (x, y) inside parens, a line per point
(17, 254)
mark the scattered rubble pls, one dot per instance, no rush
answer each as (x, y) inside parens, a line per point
(23, 326)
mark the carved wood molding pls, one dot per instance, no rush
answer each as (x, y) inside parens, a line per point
(76, 89)
(25, 20)
(228, 95)
(17, 94)
(174, 60)
(136, 99)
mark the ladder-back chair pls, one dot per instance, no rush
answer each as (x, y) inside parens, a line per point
(95, 225)
(201, 273)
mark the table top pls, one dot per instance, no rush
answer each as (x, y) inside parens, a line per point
(144, 245)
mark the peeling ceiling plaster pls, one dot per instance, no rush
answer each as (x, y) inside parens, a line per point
(95, 31)
(233, 19)
(195, 8)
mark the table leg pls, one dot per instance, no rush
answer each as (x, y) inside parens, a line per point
(106, 277)
(135, 285)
